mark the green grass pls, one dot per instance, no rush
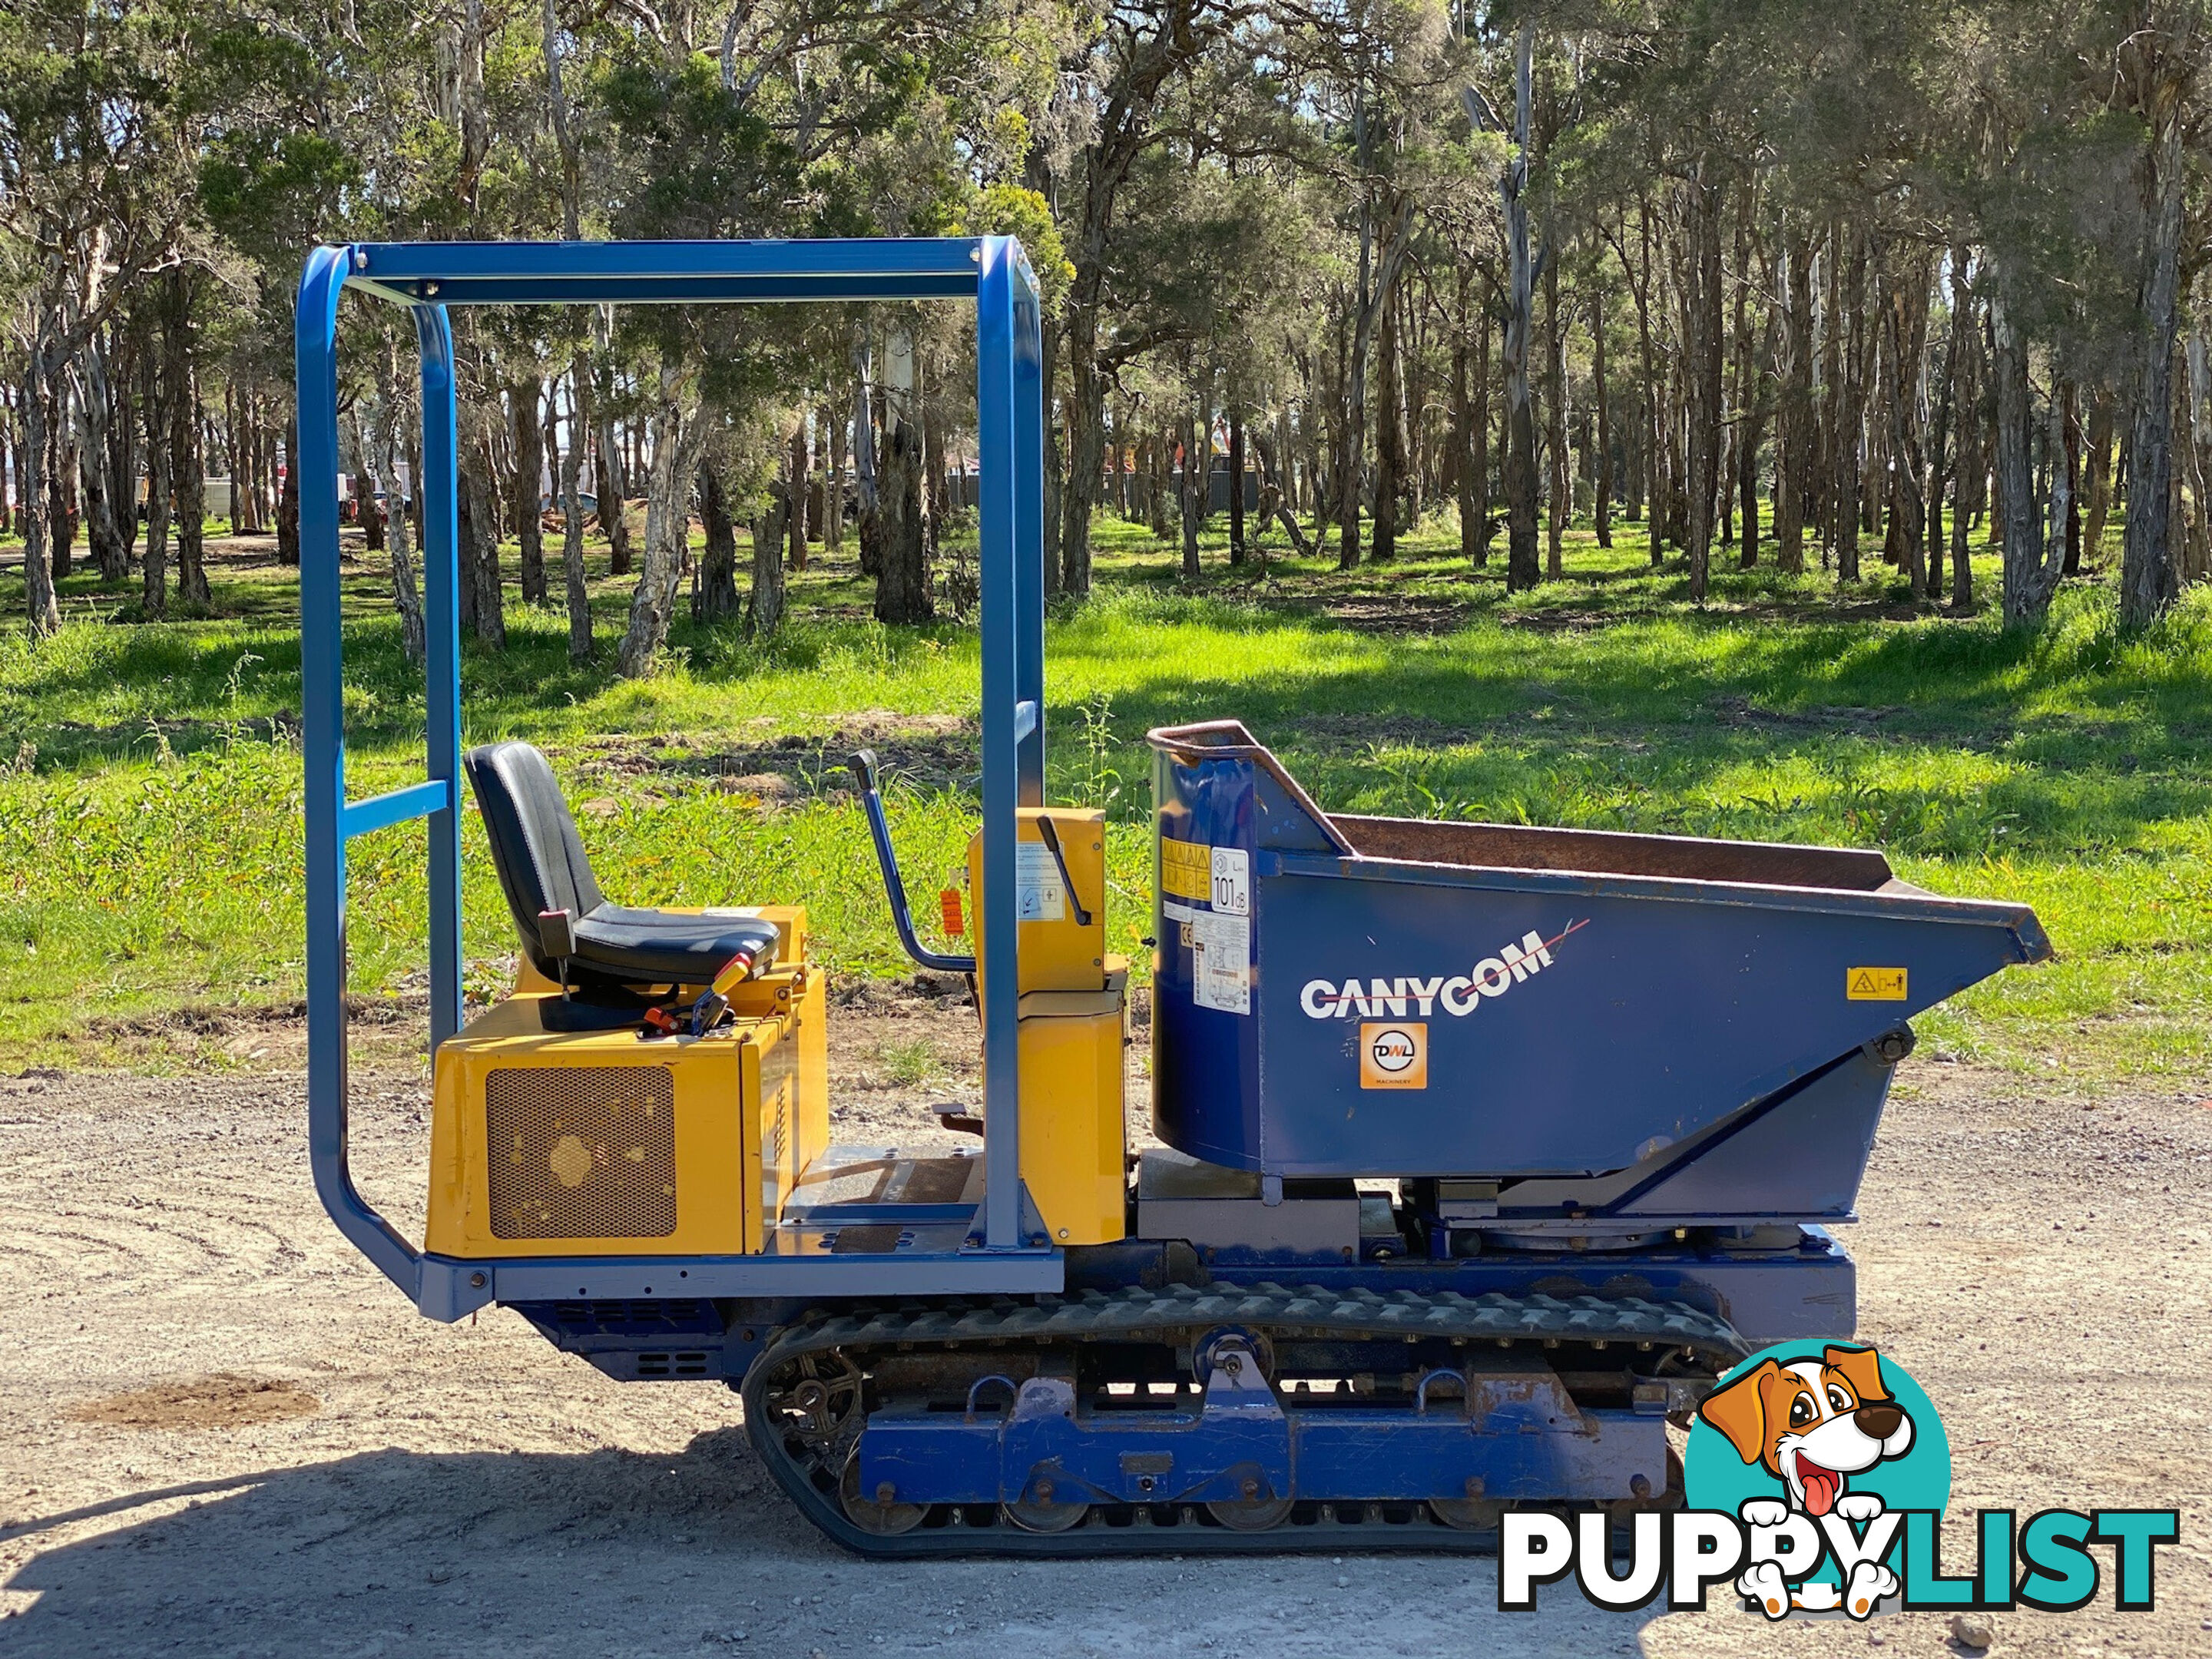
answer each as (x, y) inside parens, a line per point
(910, 1062)
(150, 848)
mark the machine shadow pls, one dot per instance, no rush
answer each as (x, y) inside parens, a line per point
(412, 1541)
(395, 1552)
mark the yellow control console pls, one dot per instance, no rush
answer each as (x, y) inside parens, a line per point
(1074, 1024)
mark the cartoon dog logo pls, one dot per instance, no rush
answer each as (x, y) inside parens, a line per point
(1814, 1424)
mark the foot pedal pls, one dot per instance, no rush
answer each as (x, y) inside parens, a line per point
(958, 1119)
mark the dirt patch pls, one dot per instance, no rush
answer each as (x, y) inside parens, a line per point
(222, 1401)
(256, 1036)
(1741, 711)
(929, 751)
(1384, 614)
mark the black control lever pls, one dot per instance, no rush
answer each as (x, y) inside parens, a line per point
(863, 769)
(1052, 840)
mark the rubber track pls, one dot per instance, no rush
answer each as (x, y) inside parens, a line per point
(1137, 1314)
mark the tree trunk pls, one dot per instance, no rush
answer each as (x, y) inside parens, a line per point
(154, 586)
(833, 483)
(1159, 483)
(384, 446)
(1118, 459)
(1389, 439)
(2195, 401)
(1702, 346)
(865, 482)
(1793, 448)
(234, 455)
(1350, 440)
(38, 517)
(2030, 577)
(1471, 420)
(800, 462)
(287, 500)
(764, 598)
(61, 491)
(370, 515)
(1601, 478)
(2149, 579)
(1196, 483)
(187, 460)
(1649, 454)
(1905, 326)
(108, 508)
(1846, 468)
(1937, 456)
(1555, 415)
(1083, 409)
(525, 397)
(1521, 571)
(2058, 415)
(2098, 481)
(1235, 483)
(484, 597)
(900, 529)
(678, 434)
(1750, 427)
(715, 594)
(1274, 502)
(612, 486)
(1967, 494)
(575, 589)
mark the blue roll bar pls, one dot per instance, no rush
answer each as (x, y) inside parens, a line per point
(429, 277)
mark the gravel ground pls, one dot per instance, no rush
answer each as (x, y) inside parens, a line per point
(225, 1435)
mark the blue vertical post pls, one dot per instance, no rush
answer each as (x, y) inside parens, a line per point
(998, 446)
(1028, 516)
(322, 712)
(437, 490)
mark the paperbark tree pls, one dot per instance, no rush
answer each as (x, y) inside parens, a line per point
(2150, 582)
(715, 594)
(898, 527)
(678, 433)
(2031, 574)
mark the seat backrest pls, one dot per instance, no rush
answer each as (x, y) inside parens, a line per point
(534, 844)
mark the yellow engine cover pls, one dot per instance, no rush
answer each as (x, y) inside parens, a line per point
(547, 1143)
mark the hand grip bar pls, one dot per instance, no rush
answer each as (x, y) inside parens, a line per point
(863, 769)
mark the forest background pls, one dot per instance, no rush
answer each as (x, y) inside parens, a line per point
(1746, 417)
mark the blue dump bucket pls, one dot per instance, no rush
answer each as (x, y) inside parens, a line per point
(1712, 1025)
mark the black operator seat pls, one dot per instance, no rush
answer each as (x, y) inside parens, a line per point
(542, 867)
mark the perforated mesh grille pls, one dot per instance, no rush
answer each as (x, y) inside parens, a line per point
(581, 1151)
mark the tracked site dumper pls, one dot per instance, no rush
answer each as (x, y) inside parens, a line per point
(1487, 1148)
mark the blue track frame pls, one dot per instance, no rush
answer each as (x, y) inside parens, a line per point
(427, 277)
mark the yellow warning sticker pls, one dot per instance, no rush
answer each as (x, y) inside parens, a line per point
(1187, 869)
(1874, 984)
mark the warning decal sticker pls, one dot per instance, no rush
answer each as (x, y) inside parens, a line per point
(1873, 984)
(1220, 962)
(1038, 894)
(1187, 869)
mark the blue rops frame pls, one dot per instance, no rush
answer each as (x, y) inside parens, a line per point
(1005, 1252)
